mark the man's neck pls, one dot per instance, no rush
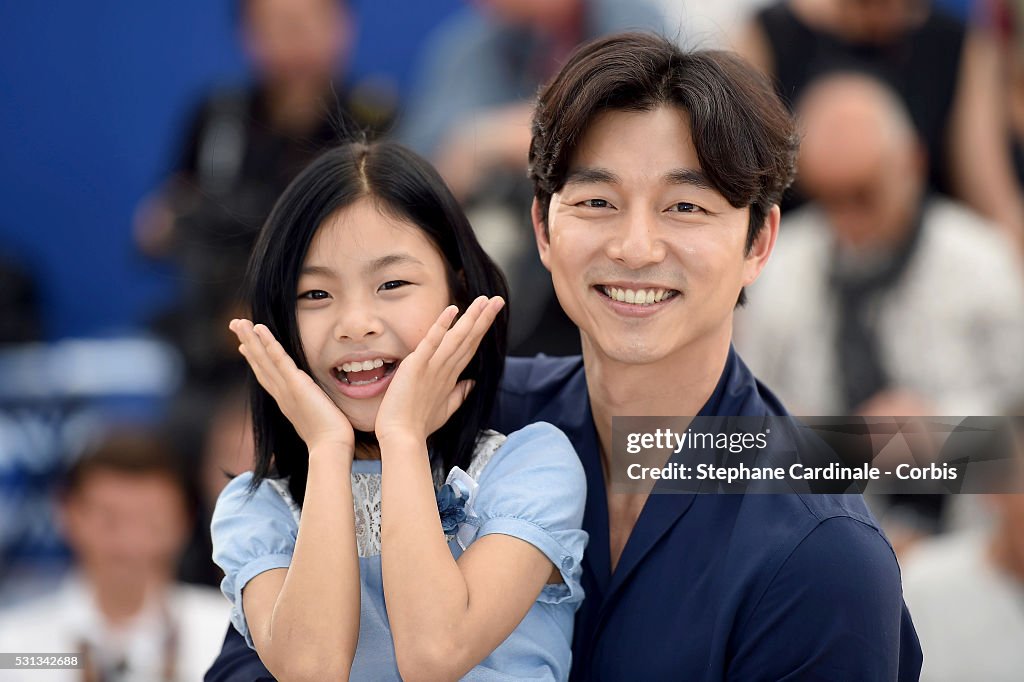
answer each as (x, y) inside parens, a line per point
(121, 601)
(296, 108)
(678, 385)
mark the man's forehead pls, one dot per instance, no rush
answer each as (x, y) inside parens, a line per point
(655, 143)
(584, 175)
(821, 171)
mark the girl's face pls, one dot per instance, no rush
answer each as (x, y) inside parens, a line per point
(370, 288)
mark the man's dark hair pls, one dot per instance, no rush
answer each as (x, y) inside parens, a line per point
(745, 139)
(132, 452)
(402, 185)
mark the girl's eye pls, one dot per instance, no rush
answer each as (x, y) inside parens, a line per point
(594, 203)
(393, 284)
(314, 295)
(686, 207)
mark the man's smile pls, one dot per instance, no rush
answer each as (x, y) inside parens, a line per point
(637, 295)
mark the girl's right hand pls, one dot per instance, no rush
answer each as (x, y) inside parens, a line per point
(316, 418)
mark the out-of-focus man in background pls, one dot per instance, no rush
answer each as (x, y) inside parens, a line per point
(882, 299)
(125, 513)
(243, 146)
(946, 72)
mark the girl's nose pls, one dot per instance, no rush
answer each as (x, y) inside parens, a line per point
(357, 321)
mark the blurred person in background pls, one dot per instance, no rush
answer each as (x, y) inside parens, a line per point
(948, 75)
(881, 298)
(966, 591)
(125, 513)
(469, 113)
(243, 146)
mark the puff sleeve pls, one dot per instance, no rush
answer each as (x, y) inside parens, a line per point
(252, 532)
(534, 489)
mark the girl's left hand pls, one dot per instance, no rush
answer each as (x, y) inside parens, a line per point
(425, 391)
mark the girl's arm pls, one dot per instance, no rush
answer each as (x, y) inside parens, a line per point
(445, 616)
(304, 620)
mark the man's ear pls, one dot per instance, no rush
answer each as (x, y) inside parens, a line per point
(762, 247)
(540, 232)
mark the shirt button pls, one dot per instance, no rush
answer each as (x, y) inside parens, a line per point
(567, 563)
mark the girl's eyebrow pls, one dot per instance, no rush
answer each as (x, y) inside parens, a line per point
(317, 270)
(391, 259)
(373, 266)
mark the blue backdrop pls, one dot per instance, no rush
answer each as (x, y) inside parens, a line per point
(94, 96)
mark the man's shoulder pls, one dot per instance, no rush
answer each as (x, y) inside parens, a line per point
(844, 549)
(830, 540)
(811, 557)
(789, 518)
(540, 388)
(539, 375)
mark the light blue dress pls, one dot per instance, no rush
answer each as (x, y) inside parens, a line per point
(530, 486)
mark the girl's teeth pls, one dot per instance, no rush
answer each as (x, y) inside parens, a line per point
(362, 366)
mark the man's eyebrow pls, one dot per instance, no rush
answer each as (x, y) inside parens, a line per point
(582, 176)
(679, 176)
(688, 176)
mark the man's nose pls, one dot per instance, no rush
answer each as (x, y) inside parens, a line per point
(638, 242)
(357, 320)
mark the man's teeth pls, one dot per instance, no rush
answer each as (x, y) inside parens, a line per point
(637, 296)
(362, 366)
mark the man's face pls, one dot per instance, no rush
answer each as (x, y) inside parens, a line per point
(637, 220)
(296, 40)
(867, 182)
(126, 527)
(867, 207)
(530, 12)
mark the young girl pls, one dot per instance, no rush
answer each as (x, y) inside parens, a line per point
(344, 555)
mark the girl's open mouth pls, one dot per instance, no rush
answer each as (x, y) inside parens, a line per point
(364, 373)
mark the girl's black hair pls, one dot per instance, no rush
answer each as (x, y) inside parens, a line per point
(406, 187)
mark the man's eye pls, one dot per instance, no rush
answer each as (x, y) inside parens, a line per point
(594, 203)
(314, 295)
(393, 284)
(686, 207)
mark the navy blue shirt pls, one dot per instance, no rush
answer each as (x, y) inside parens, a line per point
(709, 587)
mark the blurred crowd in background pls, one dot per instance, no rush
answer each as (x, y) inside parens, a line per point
(897, 286)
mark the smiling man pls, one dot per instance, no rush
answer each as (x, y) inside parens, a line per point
(657, 175)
